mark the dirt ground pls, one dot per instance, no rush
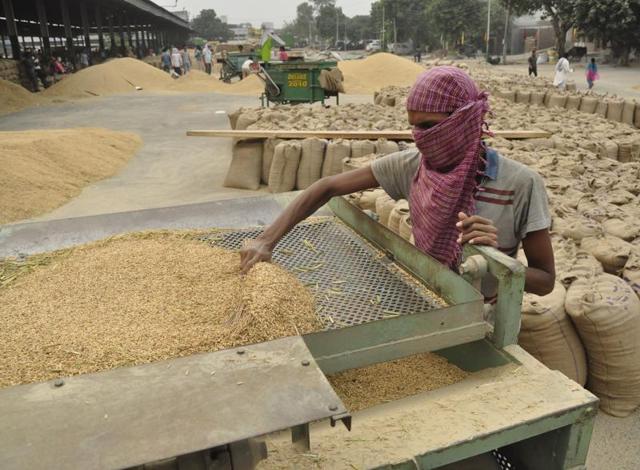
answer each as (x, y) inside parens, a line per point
(172, 169)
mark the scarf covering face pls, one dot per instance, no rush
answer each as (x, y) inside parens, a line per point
(445, 183)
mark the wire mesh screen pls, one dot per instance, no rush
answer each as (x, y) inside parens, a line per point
(352, 282)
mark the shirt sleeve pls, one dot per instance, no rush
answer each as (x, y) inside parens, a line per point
(395, 172)
(535, 214)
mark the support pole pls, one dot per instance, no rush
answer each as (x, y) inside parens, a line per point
(44, 27)
(12, 29)
(136, 27)
(112, 35)
(84, 16)
(488, 26)
(123, 46)
(68, 33)
(99, 27)
(128, 27)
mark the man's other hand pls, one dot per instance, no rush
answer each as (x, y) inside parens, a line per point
(476, 230)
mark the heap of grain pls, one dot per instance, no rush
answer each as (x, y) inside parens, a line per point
(138, 299)
(43, 169)
(15, 98)
(376, 71)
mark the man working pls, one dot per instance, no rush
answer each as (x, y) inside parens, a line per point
(533, 63)
(459, 190)
(247, 68)
(562, 72)
(207, 57)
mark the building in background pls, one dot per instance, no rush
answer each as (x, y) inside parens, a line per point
(241, 31)
(183, 14)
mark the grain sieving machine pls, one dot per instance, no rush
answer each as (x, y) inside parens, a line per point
(213, 411)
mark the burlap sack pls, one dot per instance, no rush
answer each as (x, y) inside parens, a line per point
(406, 227)
(608, 149)
(611, 251)
(636, 119)
(267, 157)
(389, 101)
(377, 97)
(626, 229)
(332, 80)
(245, 120)
(573, 102)
(578, 227)
(369, 197)
(523, 96)
(588, 104)
(606, 313)
(578, 266)
(385, 147)
(337, 150)
(246, 166)
(360, 148)
(631, 272)
(628, 112)
(384, 206)
(537, 98)
(353, 163)
(311, 160)
(284, 167)
(557, 101)
(614, 110)
(625, 152)
(601, 109)
(400, 209)
(233, 117)
(619, 196)
(548, 335)
(507, 94)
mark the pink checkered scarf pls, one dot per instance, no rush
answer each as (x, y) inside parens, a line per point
(445, 183)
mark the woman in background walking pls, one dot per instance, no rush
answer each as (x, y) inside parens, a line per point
(562, 72)
(592, 73)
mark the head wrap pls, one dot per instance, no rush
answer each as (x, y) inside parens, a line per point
(445, 183)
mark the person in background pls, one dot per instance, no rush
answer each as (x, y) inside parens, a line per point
(592, 72)
(166, 60)
(176, 62)
(282, 55)
(84, 59)
(207, 57)
(562, 72)
(533, 63)
(41, 69)
(247, 67)
(198, 55)
(459, 190)
(417, 55)
(28, 61)
(186, 60)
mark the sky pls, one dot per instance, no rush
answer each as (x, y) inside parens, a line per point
(259, 11)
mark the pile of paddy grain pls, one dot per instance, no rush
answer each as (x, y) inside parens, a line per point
(376, 71)
(113, 77)
(43, 169)
(139, 299)
(197, 81)
(15, 98)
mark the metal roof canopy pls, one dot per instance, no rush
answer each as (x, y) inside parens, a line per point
(140, 10)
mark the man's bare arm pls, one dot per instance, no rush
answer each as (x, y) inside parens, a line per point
(541, 273)
(314, 197)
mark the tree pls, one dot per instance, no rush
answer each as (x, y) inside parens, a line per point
(611, 21)
(456, 21)
(210, 26)
(561, 13)
(512, 7)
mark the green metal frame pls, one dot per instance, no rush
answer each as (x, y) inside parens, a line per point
(307, 73)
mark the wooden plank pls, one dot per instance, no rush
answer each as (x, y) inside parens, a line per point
(359, 135)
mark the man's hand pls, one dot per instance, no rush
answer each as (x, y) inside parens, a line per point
(476, 230)
(252, 252)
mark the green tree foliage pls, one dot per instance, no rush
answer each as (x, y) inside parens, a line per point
(561, 13)
(208, 24)
(611, 21)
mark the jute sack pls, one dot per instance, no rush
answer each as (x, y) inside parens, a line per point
(267, 157)
(369, 197)
(573, 102)
(406, 227)
(245, 120)
(625, 152)
(537, 98)
(246, 166)
(400, 209)
(611, 251)
(631, 272)
(233, 117)
(579, 266)
(571, 86)
(507, 94)
(377, 97)
(558, 101)
(588, 104)
(608, 149)
(385, 147)
(626, 229)
(614, 110)
(384, 206)
(523, 96)
(337, 150)
(577, 227)
(311, 160)
(606, 313)
(389, 100)
(636, 119)
(353, 163)
(628, 112)
(360, 148)
(601, 109)
(284, 167)
(548, 334)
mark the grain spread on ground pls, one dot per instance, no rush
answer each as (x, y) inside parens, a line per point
(138, 299)
(388, 381)
(197, 81)
(376, 71)
(43, 169)
(15, 98)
